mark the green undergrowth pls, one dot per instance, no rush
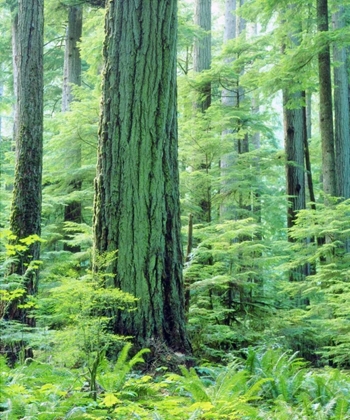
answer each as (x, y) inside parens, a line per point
(265, 384)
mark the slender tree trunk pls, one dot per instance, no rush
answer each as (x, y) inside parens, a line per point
(136, 208)
(71, 77)
(307, 136)
(309, 268)
(294, 143)
(228, 98)
(326, 112)
(72, 60)
(26, 205)
(202, 50)
(294, 133)
(202, 62)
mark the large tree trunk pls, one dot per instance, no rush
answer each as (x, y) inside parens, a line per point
(341, 115)
(26, 206)
(341, 112)
(136, 209)
(71, 77)
(326, 113)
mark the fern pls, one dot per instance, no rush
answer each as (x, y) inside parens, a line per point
(228, 395)
(114, 379)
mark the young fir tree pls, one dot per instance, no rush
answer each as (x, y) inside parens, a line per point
(26, 205)
(233, 95)
(136, 209)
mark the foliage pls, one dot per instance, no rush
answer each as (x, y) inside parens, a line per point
(225, 393)
(327, 289)
(251, 328)
(227, 297)
(266, 384)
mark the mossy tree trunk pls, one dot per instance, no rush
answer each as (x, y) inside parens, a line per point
(25, 217)
(136, 208)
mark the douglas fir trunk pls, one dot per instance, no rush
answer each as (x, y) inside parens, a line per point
(326, 112)
(136, 208)
(26, 205)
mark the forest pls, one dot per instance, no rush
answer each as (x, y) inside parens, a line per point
(174, 209)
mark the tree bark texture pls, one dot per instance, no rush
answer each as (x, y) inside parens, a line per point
(136, 209)
(326, 112)
(341, 112)
(26, 206)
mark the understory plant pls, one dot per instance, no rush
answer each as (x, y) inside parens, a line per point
(321, 241)
(229, 302)
(265, 384)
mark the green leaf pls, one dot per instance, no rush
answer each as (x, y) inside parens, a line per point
(110, 400)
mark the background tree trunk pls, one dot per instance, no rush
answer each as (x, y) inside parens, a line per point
(202, 62)
(71, 77)
(136, 208)
(228, 98)
(202, 50)
(26, 206)
(72, 60)
(341, 112)
(234, 97)
(326, 112)
(294, 132)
